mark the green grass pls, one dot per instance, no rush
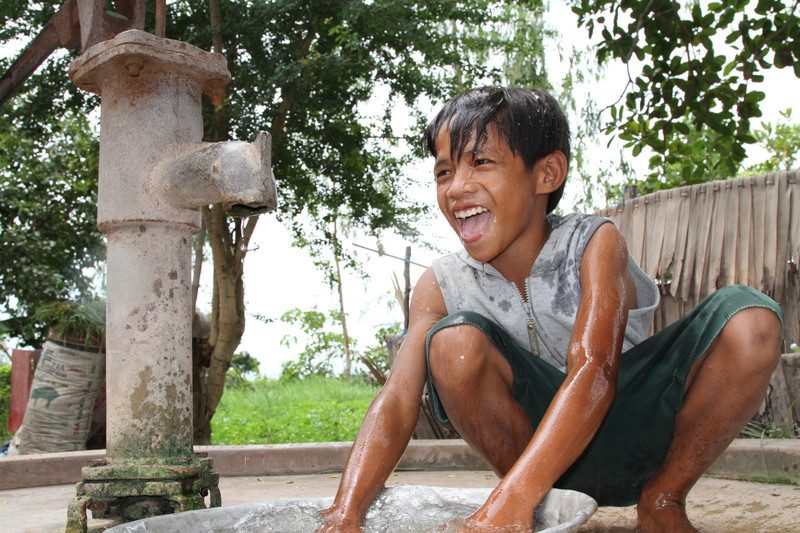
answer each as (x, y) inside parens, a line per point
(5, 401)
(310, 410)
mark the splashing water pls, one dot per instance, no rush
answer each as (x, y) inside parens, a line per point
(402, 509)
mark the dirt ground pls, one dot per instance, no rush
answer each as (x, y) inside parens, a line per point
(714, 505)
(721, 505)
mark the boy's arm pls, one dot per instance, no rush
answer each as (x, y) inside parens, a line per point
(582, 401)
(390, 419)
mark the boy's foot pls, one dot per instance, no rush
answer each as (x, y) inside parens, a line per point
(663, 512)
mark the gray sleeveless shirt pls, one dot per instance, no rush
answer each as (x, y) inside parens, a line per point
(543, 323)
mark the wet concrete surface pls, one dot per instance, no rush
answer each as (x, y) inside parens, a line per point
(714, 505)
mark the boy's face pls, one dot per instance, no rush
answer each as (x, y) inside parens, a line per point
(488, 197)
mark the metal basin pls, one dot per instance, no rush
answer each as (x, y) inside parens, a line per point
(406, 508)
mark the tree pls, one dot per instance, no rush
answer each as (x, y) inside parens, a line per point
(782, 143)
(243, 367)
(691, 85)
(48, 239)
(324, 345)
(304, 70)
(378, 353)
(49, 243)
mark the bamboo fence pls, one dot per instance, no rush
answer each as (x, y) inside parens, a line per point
(695, 239)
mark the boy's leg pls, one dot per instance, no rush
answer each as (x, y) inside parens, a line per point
(474, 383)
(723, 391)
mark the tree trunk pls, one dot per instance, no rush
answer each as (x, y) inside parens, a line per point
(201, 357)
(342, 315)
(781, 405)
(198, 259)
(227, 313)
(229, 248)
(227, 306)
(407, 289)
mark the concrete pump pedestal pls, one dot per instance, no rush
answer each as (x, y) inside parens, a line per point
(134, 491)
(154, 175)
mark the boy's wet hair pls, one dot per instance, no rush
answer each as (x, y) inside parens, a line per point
(531, 122)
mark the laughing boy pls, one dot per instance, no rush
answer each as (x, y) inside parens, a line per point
(533, 340)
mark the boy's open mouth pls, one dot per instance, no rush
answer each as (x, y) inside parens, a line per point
(472, 222)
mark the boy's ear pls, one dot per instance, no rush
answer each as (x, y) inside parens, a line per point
(554, 172)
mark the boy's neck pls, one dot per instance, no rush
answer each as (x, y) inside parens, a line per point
(516, 262)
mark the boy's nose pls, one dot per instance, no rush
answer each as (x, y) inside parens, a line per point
(460, 183)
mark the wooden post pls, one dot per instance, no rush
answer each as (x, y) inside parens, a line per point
(23, 363)
(407, 292)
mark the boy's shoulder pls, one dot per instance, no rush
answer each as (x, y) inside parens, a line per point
(569, 236)
(565, 225)
(573, 230)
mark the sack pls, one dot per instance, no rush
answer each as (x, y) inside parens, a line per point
(59, 412)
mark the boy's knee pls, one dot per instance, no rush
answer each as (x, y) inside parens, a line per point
(755, 334)
(457, 353)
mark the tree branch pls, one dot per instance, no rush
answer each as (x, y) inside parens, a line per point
(241, 251)
(639, 25)
(279, 124)
(216, 25)
(198, 258)
(781, 29)
(237, 236)
(634, 39)
(218, 235)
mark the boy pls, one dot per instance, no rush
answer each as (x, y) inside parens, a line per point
(532, 340)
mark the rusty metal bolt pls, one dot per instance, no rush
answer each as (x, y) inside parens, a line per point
(133, 66)
(216, 92)
(98, 507)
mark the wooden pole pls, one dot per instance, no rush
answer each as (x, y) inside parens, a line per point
(407, 293)
(339, 283)
(161, 17)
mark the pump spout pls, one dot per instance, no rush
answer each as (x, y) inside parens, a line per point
(236, 174)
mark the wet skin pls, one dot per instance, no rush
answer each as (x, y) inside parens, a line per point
(496, 179)
(488, 418)
(723, 392)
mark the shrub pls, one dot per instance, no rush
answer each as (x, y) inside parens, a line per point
(5, 401)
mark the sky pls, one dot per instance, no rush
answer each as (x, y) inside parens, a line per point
(279, 277)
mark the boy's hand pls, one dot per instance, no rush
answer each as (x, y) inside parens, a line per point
(391, 417)
(474, 525)
(501, 514)
(334, 521)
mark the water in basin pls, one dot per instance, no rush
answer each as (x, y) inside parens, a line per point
(404, 508)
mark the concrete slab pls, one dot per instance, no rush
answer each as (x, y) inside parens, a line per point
(771, 460)
(715, 505)
(251, 460)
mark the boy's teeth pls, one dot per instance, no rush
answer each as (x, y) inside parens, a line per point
(470, 212)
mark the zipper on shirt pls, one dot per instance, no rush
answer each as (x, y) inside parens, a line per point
(533, 337)
(530, 323)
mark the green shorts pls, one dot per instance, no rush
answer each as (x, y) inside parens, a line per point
(633, 439)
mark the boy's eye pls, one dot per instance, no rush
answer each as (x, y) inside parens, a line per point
(482, 161)
(440, 174)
